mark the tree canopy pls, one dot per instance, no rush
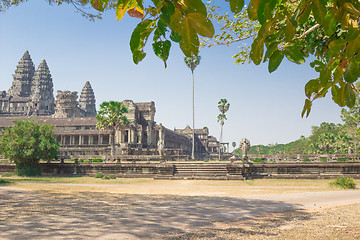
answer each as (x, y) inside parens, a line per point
(327, 30)
(112, 116)
(28, 142)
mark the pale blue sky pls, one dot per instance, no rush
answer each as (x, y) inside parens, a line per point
(265, 108)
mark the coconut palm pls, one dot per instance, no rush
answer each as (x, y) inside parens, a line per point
(192, 63)
(112, 116)
(223, 106)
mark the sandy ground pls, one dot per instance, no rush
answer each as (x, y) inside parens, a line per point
(89, 211)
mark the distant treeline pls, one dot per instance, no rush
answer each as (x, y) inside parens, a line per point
(327, 138)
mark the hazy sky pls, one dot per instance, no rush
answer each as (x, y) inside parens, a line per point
(265, 108)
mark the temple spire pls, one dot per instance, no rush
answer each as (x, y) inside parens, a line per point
(42, 90)
(21, 85)
(87, 100)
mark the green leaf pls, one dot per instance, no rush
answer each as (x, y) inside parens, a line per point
(336, 46)
(329, 24)
(253, 9)
(168, 9)
(303, 11)
(337, 97)
(189, 42)
(313, 86)
(319, 10)
(294, 54)
(175, 36)
(351, 9)
(236, 5)
(140, 34)
(257, 50)
(99, 5)
(275, 60)
(138, 56)
(201, 24)
(193, 6)
(289, 30)
(349, 95)
(162, 49)
(270, 50)
(265, 10)
(352, 72)
(306, 108)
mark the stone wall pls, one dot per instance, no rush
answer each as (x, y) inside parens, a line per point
(230, 171)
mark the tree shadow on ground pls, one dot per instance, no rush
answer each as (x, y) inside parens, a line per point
(46, 215)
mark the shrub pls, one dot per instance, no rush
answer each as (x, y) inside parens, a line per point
(7, 174)
(257, 160)
(99, 175)
(306, 160)
(344, 183)
(112, 176)
(106, 177)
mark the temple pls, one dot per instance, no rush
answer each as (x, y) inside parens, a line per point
(31, 96)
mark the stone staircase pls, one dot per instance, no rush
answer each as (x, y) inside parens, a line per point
(204, 171)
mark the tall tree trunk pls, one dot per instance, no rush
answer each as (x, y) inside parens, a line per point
(193, 108)
(112, 142)
(221, 130)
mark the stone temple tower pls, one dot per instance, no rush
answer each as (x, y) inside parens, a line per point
(87, 100)
(21, 86)
(42, 90)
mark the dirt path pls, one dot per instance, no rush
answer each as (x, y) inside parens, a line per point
(93, 215)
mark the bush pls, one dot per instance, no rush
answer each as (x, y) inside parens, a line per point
(99, 175)
(28, 142)
(306, 160)
(28, 170)
(106, 177)
(112, 176)
(7, 174)
(344, 183)
(257, 160)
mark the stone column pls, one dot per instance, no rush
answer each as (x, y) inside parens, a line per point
(149, 135)
(100, 139)
(132, 135)
(139, 137)
(80, 140)
(62, 140)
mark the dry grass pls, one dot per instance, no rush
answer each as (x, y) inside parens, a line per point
(174, 187)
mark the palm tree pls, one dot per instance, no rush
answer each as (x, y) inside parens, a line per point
(223, 106)
(192, 63)
(112, 116)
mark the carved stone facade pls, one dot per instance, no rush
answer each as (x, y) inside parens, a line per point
(67, 106)
(31, 93)
(205, 145)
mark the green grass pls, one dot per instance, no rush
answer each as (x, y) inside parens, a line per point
(4, 181)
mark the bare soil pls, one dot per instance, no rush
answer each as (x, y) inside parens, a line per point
(147, 209)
